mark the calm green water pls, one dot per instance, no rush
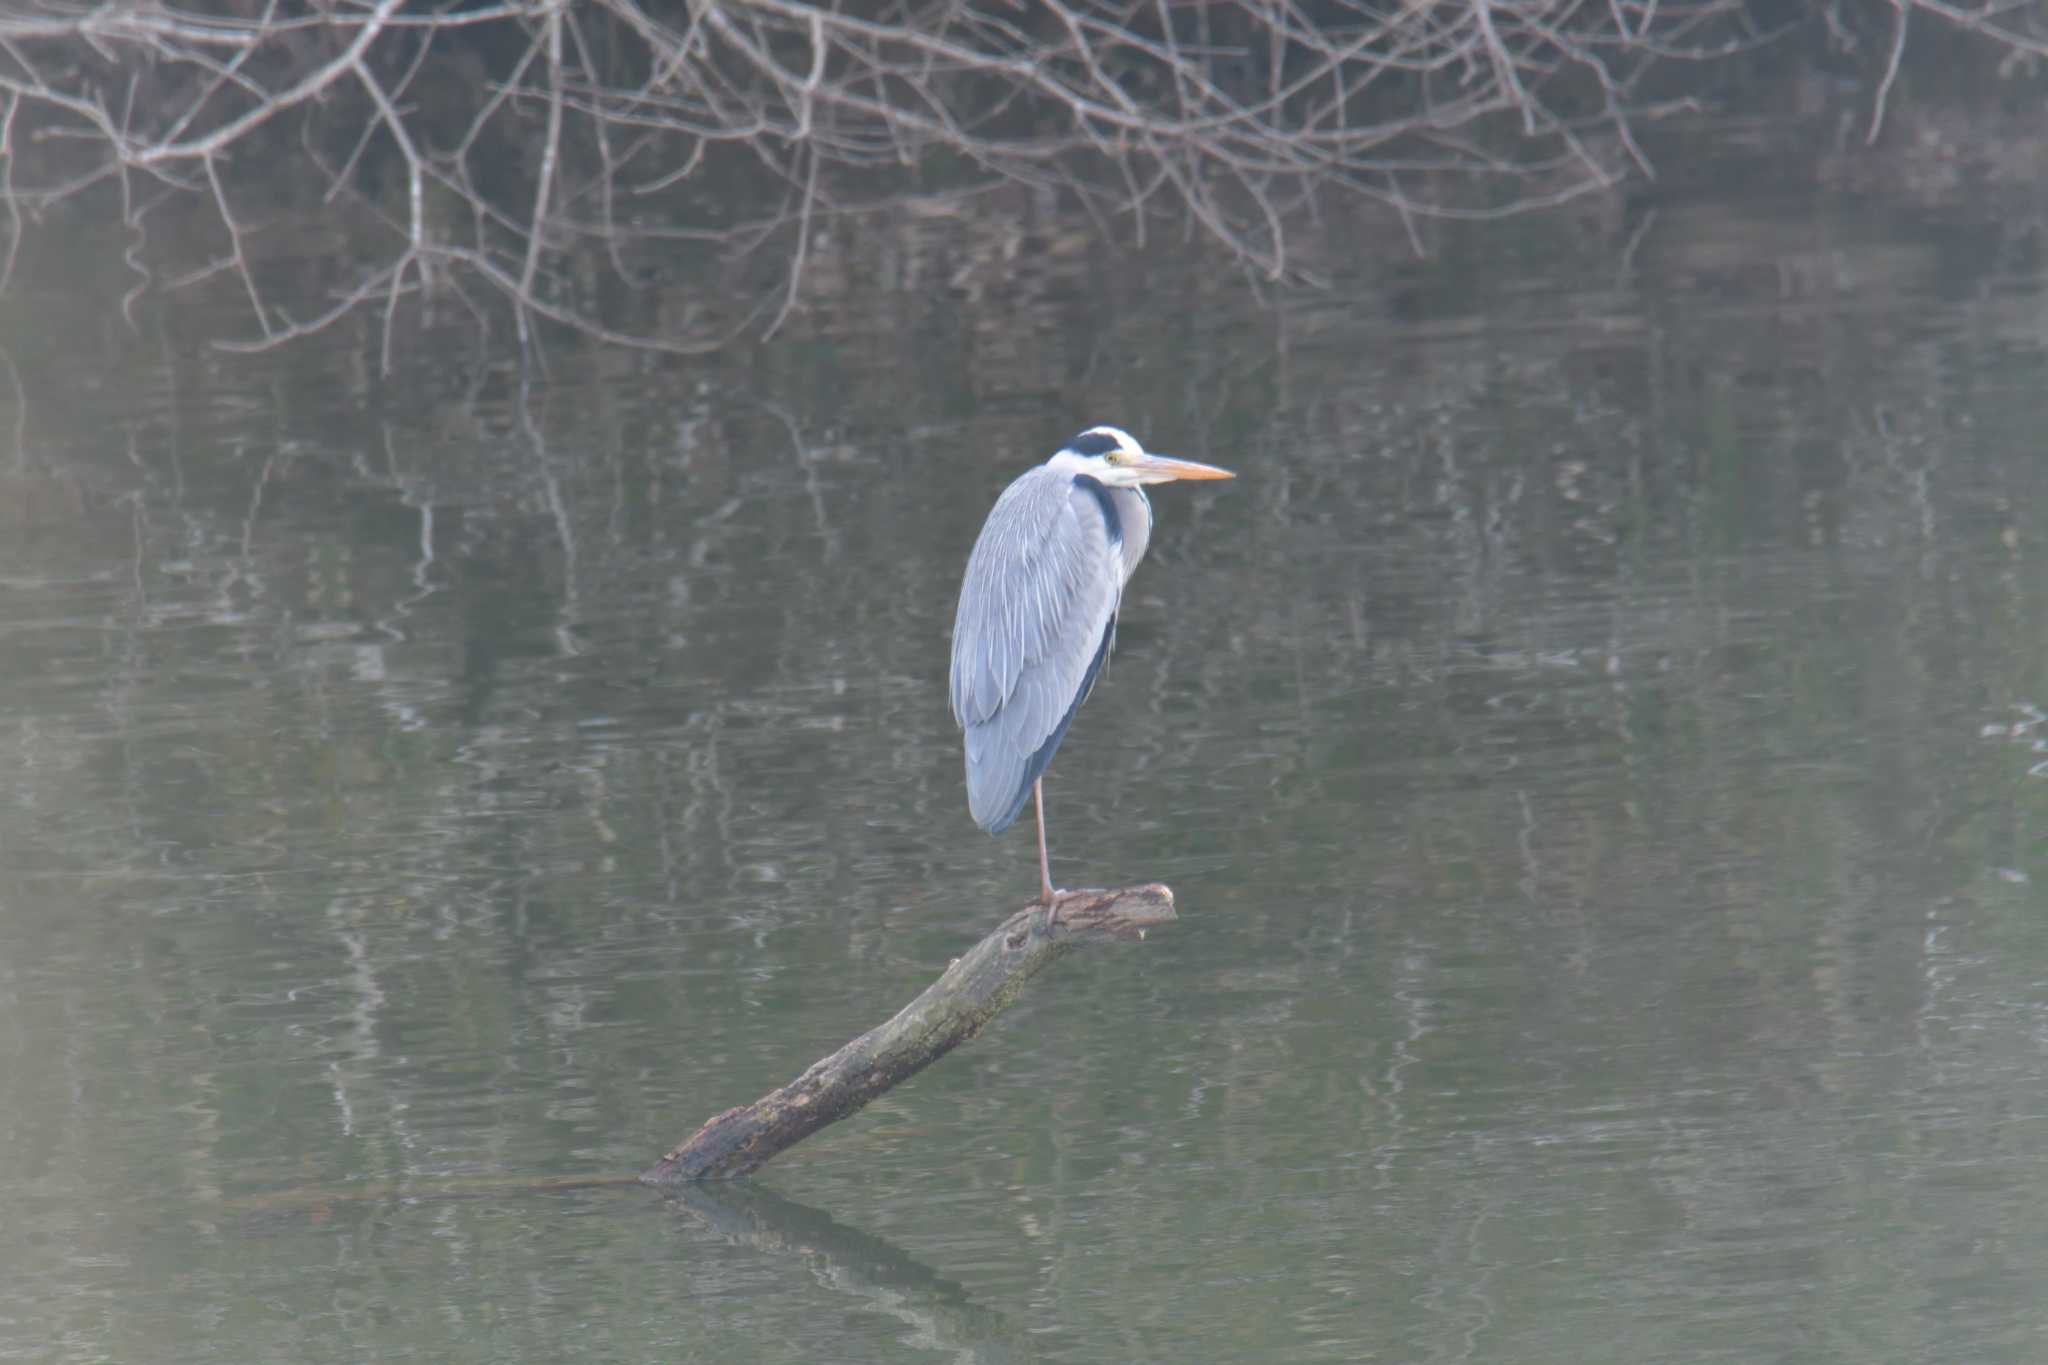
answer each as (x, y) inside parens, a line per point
(1594, 746)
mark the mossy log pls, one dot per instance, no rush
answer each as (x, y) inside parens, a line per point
(952, 1010)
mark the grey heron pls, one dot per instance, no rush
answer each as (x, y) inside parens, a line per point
(1037, 614)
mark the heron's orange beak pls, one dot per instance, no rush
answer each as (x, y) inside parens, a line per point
(1166, 469)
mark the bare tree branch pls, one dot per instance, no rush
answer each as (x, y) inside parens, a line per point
(515, 125)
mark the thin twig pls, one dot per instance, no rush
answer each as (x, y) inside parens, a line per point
(551, 149)
(1891, 70)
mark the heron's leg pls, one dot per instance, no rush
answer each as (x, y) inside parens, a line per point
(1044, 860)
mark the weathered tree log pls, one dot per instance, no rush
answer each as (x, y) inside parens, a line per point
(952, 1010)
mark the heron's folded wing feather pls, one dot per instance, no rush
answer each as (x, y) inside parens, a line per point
(1036, 607)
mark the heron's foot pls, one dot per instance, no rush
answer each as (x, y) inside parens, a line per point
(1052, 909)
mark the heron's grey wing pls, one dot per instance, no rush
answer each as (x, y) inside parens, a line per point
(1037, 612)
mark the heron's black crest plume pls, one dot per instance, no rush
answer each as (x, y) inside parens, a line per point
(1092, 443)
(1111, 522)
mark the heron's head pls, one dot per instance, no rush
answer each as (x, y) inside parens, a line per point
(1111, 455)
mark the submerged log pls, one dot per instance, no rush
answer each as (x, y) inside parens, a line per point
(952, 1010)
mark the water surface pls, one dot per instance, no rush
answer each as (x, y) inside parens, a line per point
(1595, 746)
